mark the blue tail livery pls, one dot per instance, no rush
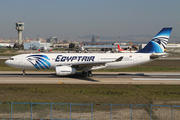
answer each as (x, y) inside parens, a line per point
(158, 43)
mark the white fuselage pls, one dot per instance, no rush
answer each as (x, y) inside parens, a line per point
(23, 61)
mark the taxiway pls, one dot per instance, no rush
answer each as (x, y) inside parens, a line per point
(38, 77)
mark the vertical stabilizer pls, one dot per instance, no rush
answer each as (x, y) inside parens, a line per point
(158, 43)
(119, 48)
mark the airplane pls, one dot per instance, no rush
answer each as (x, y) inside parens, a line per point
(124, 51)
(6, 44)
(119, 48)
(69, 63)
(43, 49)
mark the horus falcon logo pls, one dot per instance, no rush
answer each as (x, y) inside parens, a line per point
(162, 37)
(39, 61)
(162, 41)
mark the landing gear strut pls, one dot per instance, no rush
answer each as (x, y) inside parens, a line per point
(24, 73)
(85, 74)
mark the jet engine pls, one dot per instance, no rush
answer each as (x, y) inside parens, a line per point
(65, 70)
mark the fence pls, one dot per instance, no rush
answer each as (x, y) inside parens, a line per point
(80, 111)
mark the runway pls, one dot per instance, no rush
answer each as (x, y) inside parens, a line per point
(36, 77)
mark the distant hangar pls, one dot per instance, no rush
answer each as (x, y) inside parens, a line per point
(168, 47)
(105, 47)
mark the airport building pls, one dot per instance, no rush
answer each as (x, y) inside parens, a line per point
(169, 47)
(173, 47)
(141, 46)
(52, 40)
(36, 45)
(93, 40)
(65, 45)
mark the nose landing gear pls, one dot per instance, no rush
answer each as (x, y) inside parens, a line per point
(24, 73)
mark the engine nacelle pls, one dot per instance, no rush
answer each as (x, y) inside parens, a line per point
(65, 70)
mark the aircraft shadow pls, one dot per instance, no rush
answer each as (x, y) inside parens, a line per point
(77, 76)
(51, 75)
(10, 75)
(130, 74)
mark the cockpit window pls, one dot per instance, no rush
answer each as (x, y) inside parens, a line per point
(11, 58)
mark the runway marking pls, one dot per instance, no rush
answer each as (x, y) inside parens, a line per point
(155, 78)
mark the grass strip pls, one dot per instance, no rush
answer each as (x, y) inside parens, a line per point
(117, 94)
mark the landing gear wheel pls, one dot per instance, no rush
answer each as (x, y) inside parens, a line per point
(24, 73)
(84, 74)
(90, 74)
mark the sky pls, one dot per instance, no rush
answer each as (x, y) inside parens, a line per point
(73, 18)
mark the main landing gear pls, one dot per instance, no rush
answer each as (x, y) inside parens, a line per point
(85, 74)
(24, 73)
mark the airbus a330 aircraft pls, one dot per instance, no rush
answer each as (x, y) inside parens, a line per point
(70, 63)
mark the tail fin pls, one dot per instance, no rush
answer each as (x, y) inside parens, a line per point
(119, 48)
(158, 43)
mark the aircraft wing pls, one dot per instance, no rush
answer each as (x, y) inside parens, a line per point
(90, 64)
(87, 64)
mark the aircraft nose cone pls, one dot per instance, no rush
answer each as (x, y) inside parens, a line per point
(7, 62)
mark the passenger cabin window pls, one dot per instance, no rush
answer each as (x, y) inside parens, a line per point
(11, 58)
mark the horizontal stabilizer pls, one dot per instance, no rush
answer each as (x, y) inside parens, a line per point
(158, 55)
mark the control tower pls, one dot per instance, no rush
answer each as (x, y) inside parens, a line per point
(19, 28)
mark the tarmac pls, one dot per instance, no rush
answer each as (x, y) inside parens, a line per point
(34, 77)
